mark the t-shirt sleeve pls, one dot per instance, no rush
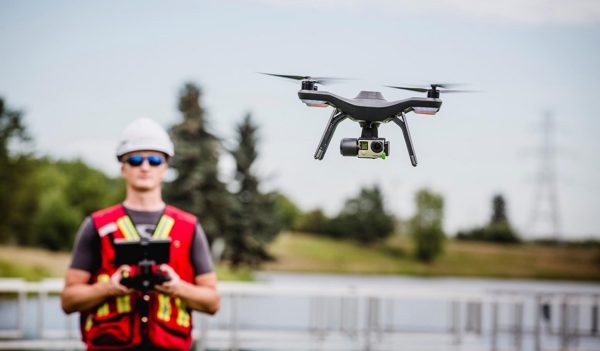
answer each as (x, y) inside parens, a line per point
(86, 253)
(200, 252)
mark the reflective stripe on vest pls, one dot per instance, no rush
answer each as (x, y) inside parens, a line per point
(163, 228)
(183, 317)
(88, 323)
(127, 228)
(164, 308)
(124, 304)
(103, 309)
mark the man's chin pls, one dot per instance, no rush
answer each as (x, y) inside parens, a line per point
(143, 188)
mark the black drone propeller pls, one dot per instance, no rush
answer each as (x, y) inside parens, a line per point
(433, 91)
(308, 79)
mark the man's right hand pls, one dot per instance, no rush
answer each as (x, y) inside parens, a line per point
(115, 288)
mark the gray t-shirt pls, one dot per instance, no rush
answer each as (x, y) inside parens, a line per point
(86, 253)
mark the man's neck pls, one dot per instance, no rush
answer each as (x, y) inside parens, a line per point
(144, 201)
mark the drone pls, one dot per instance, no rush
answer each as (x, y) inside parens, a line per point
(369, 109)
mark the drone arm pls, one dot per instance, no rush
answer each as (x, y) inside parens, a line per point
(334, 120)
(401, 122)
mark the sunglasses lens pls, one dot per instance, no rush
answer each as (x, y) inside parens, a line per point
(135, 160)
(155, 160)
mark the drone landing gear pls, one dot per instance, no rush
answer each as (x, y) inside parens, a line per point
(334, 120)
(369, 131)
(401, 122)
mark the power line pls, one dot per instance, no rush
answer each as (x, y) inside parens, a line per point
(545, 212)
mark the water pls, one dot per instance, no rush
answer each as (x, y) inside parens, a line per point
(349, 322)
(455, 284)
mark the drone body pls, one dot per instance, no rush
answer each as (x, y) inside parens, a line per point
(370, 110)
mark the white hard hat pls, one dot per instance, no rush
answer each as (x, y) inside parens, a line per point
(144, 134)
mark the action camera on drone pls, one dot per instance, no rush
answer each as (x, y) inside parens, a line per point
(365, 148)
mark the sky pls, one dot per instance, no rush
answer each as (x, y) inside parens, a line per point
(82, 71)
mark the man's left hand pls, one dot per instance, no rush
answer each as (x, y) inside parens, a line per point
(172, 286)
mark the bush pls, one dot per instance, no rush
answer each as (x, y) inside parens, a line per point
(314, 221)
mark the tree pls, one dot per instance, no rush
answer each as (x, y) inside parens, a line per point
(364, 218)
(44, 201)
(66, 192)
(288, 213)
(14, 174)
(197, 187)
(497, 230)
(427, 225)
(498, 210)
(254, 214)
(315, 221)
(11, 128)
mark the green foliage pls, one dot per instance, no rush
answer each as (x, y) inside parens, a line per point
(56, 221)
(254, 215)
(51, 199)
(314, 221)
(497, 230)
(288, 214)
(14, 170)
(364, 218)
(11, 129)
(43, 201)
(20, 201)
(498, 210)
(427, 225)
(197, 187)
(67, 191)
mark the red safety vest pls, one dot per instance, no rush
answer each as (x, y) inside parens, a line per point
(126, 321)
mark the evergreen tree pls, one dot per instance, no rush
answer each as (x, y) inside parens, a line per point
(498, 210)
(499, 228)
(197, 187)
(15, 170)
(427, 225)
(254, 215)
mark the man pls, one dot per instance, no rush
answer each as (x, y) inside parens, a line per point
(114, 317)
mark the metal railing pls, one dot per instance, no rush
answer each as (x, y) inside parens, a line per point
(336, 317)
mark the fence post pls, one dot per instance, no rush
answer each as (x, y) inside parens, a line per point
(538, 319)
(494, 336)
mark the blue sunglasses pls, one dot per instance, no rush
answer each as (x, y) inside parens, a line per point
(137, 160)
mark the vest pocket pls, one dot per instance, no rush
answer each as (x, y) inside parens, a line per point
(113, 331)
(166, 335)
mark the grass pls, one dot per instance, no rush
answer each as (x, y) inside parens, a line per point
(225, 273)
(32, 263)
(309, 253)
(13, 270)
